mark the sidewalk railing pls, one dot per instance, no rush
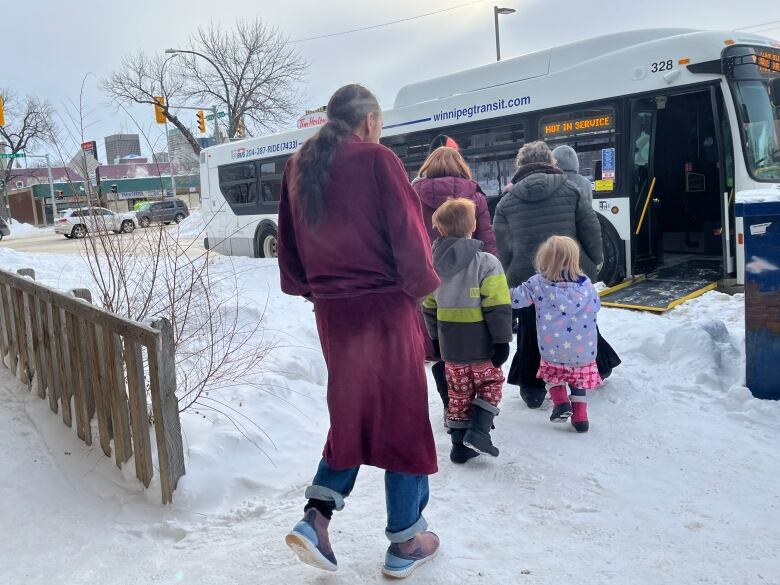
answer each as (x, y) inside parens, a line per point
(92, 364)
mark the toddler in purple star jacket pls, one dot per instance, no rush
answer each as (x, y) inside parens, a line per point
(566, 306)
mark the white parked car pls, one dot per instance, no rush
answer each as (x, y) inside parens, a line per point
(77, 223)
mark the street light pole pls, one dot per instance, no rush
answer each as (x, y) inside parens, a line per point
(219, 72)
(496, 11)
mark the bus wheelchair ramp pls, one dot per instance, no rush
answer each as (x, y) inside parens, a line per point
(665, 288)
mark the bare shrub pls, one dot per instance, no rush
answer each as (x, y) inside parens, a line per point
(155, 272)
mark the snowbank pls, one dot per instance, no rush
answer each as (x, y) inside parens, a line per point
(677, 477)
(194, 225)
(22, 230)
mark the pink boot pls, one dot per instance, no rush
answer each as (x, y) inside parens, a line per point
(579, 419)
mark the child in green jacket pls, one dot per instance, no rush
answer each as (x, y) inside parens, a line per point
(469, 318)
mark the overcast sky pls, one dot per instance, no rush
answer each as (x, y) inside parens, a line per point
(49, 45)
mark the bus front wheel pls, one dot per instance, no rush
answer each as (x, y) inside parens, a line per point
(266, 243)
(613, 271)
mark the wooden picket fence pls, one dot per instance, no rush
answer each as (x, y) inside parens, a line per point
(90, 364)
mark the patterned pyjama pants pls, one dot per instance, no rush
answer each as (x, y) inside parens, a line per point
(467, 382)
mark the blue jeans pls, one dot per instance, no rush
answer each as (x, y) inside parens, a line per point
(406, 497)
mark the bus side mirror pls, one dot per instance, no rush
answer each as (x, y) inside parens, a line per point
(774, 88)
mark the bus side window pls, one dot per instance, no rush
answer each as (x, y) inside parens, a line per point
(238, 185)
(271, 181)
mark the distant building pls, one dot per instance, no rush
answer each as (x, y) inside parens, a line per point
(23, 178)
(181, 152)
(133, 171)
(132, 159)
(121, 145)
(160, 157)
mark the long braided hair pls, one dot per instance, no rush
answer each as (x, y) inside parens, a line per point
(347, 108)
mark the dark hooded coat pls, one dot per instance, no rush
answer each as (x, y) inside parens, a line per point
(541, 203)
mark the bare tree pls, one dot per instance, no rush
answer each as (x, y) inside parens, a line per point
(251, 71)
(29, 123)
(141, 78)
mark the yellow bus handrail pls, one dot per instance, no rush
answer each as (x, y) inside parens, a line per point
(644, 209)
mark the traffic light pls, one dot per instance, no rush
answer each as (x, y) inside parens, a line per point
(2, 114)
(113, 188)
(159, 114)
(240, 128)
(201, 122)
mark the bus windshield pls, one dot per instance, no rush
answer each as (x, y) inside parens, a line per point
(758, 114)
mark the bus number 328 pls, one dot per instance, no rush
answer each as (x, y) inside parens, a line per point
(657, 66)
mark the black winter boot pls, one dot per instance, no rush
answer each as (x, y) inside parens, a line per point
(533, 396)
(460, 453)
(478, 435)
(441, 382)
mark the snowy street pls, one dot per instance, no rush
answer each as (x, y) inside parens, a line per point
(31, 239)
(678, 480)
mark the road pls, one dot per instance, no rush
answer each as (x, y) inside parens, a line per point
(49, 242)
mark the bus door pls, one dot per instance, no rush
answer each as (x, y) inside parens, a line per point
(725, 150)
(645, 201)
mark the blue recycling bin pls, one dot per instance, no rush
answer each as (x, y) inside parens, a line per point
(761, 224)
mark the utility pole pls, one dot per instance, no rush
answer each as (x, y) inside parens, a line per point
(5, 200)
(51, 192)
(215, 134)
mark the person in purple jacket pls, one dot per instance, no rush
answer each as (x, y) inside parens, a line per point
(566, 305)
(443, 176)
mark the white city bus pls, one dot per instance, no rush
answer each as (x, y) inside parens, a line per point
(668, 125)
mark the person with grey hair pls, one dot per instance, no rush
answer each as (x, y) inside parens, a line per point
(566, 159)
(541, 202)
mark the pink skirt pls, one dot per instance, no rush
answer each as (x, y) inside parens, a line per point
(585, 377)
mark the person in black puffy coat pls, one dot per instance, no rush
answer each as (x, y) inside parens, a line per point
(543, 202)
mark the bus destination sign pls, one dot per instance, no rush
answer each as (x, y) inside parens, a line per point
(577, 126)
(768, 61)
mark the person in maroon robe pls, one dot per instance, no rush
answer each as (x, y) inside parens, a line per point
(352, 240)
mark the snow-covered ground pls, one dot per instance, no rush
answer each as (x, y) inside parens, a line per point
(677, 482)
